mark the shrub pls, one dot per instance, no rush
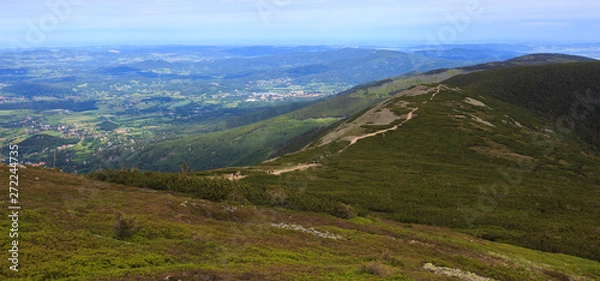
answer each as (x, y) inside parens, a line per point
(345, 211)
(376, 268)
(557, 275)
(125, 228)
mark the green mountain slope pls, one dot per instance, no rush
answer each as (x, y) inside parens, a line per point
(496, 174)
(567, 94)
(256, 142)
(75, 228)
(463, 159)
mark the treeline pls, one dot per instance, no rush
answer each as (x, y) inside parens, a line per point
(218, 189)
(221, 189)
(241, 146)
(28, 89)
(38, 143)
(258, 114)
(567, 94)
(107, 126)
(75, 106)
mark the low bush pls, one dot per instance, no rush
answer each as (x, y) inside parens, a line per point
(125, 228)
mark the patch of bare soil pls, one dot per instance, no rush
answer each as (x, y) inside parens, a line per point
(299, 167)
(475, 102)
(495, 149)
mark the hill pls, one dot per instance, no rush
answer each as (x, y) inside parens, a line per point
(256, 142)
(475, 54)
(253, 143)
(569, 95)
(76, 228)
(462, 158)
(526, 60)
(38, 89)
(161, 96)
(462, 178)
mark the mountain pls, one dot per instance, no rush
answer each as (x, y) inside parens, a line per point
(172, 96)
(76, 228)
(483, 153)
(486, 153)
(526, 60)
(471, 54)
(362, 66)
(254, 143)
(476, 177)
(568, 94)
(347, 66)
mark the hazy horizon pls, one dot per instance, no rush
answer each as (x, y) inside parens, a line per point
(68, 23)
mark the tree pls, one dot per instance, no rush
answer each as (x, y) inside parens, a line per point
(184, 169)
(125, 227)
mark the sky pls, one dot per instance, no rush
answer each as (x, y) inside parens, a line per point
(33, 23)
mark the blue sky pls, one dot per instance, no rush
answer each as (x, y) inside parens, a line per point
(386, 22)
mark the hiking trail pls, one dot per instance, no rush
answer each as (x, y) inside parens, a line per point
(409, 117)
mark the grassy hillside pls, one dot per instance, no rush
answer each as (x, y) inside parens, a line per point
(568, 94)
(75, 228)
(247, 142)
(256, 142)
(240, 146)
(465, 160)
(456, 179)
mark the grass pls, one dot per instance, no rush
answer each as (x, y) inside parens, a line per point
(67, 233)
(427, 172)
(425, 193)
(11, 113)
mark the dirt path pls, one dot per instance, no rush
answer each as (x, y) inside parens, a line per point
(235, 178)
(408, 118)
(356, 139)
(294, 168)
(439, 88)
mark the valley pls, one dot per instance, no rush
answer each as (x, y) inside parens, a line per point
(117, 102)
(485, 172)
(319, 140)
(126, 103)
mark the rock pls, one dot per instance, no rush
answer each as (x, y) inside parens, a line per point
(307, 230)
(464, 275)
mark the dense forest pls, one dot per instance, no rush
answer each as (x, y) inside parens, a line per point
(38, 143)
(29, 89)
(38, 106)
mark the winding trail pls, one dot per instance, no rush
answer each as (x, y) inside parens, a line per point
(354, 140)
(439, 88)
(409, 117)
(234, 178)
(294, 168)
